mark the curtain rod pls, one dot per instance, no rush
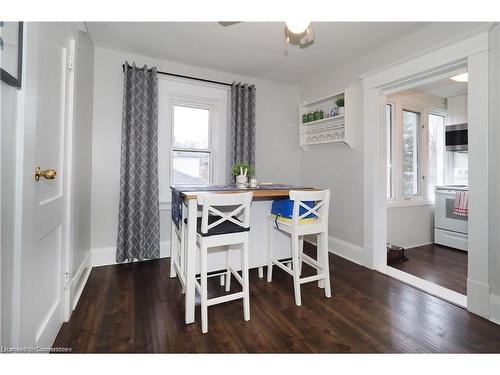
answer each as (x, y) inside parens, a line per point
(187, 77)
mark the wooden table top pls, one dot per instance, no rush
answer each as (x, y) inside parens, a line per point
(262, 194)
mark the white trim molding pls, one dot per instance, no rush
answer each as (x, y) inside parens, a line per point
(495, 308)
(477, 293)
(79, 280)
(165, 206)
(428, 287)
(471, 53)
(416, 69)
(106, 256)
(344, 249)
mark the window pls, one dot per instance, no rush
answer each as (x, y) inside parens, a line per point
(191, 146)
(411, 153)
(389, 123)
(435, 175)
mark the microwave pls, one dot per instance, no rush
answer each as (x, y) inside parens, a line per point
(456, 137)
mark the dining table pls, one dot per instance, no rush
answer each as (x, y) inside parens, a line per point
(185, 211)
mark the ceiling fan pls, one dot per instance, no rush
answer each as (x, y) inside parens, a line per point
(298, 33)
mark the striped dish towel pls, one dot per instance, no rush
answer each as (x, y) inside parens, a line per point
(461, 206)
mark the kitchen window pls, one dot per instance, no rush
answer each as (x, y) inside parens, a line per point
(191, 145)
(435, 176)
(416, 157)
(389, 123)
(411, 153)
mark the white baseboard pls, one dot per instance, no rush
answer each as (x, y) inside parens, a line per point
(47, 331)
(478, 301)
(495, 308)
(346, 250)
(106, 256)
(367, 256)
(343, 249)
(80, 279)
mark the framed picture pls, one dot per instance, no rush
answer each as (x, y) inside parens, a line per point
(11, 51)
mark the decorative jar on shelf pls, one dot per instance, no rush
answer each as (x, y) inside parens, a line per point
(340, 105)
(318, 115)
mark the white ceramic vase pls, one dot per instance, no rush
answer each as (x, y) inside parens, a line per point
(241, 181)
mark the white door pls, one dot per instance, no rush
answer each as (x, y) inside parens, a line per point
(42, 263)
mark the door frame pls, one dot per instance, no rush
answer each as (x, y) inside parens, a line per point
(25, 158)
(69, 122)
(472, 53)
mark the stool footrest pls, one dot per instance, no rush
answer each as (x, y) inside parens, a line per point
(226, 298)
(311, 262)
(282, 266)
(212, 274)
(312, 278)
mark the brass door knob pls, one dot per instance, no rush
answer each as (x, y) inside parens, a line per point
(48, 174)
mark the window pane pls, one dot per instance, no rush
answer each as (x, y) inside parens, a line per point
(388, 124)
(191, 168)
(436, 154)
(411, 126)
(191, 127)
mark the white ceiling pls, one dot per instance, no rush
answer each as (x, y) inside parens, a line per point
(254, 49)
(444, 88)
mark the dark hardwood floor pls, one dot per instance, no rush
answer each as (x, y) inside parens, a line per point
(138, 308)
(440, 264)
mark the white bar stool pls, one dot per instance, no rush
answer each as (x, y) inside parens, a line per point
(217, 228)
(177, 251)
(297, 227)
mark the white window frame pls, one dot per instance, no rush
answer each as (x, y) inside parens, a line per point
(398, 199)
(191, 93)
(198, 103)
(393, 162)
(441, 113)
(421, 164)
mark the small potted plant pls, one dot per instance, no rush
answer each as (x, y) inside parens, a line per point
(340, 106)
(242, 171)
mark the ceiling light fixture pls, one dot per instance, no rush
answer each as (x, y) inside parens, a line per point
(463, 77)
(298, 33)
(297, 26)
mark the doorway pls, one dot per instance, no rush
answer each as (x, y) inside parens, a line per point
(472, 55)
(427, 182)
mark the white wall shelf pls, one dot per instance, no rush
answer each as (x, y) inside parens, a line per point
(329, 130)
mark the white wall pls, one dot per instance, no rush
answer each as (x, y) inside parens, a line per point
(8, 121)
(82, 157)
(410, 226)
(339, 168)
(277, 153)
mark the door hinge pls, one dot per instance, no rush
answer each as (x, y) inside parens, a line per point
(66, 280)
(71, 62)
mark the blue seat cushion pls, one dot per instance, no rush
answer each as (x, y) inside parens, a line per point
(226, 227)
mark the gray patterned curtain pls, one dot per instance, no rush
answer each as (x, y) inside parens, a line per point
(139, 215)
(242, 136)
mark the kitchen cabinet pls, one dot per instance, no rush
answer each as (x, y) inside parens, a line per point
(457, 110)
